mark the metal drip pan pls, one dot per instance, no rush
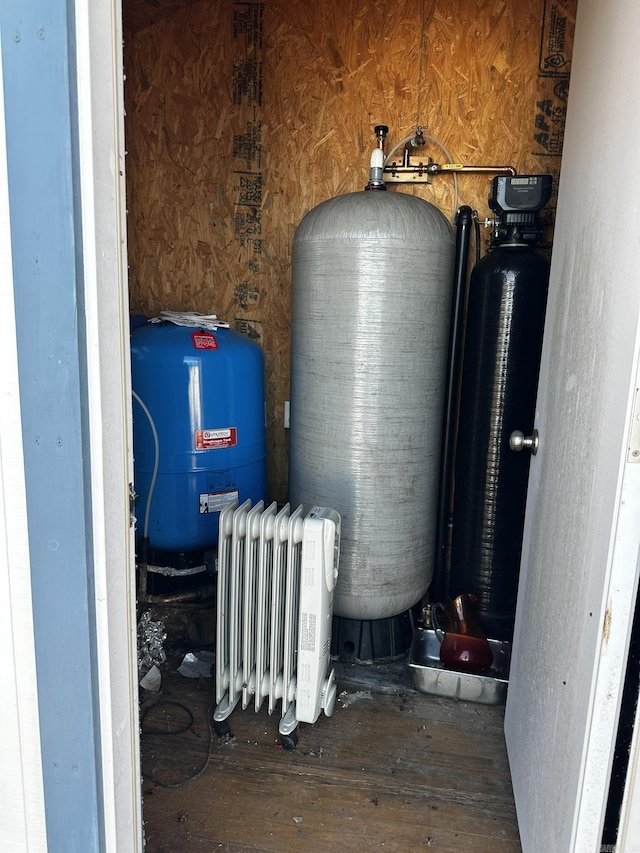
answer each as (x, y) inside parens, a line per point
(430, 676)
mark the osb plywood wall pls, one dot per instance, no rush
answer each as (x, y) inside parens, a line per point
(241, 117)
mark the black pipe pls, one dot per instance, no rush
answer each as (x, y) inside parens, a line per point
(463, 222)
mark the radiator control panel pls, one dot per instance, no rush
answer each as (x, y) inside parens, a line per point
(315, 688)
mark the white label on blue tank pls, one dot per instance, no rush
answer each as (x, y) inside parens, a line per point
(217, 501)
(212, 439)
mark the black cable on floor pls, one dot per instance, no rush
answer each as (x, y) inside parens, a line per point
(182, 730)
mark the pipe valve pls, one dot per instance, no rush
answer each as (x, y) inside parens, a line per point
(381, 131)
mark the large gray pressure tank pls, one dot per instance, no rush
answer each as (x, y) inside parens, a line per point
(372, 280)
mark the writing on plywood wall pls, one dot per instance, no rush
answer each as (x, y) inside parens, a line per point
(241, 117)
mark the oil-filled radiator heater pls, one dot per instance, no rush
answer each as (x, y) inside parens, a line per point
(277, 570)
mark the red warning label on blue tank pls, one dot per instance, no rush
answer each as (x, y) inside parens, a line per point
(213, 439)
(204, 340)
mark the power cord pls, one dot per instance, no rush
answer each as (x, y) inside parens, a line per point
(182, 730)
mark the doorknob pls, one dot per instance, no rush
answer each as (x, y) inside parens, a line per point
(519, 441)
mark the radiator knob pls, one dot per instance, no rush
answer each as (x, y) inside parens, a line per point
(519, 441)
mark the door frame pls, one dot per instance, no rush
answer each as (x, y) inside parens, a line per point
(100, 80)
(22, 827)
(84, 40)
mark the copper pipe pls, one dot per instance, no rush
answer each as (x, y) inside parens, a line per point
(436, 168)
(179, 597)
(458, 167)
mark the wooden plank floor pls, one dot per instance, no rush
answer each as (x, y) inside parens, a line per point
(392, 769)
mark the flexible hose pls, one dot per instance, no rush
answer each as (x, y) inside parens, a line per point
(398, 145)
(437, 142)
(156, 463)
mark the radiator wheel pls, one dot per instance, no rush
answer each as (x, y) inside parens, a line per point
(222, 728)
(289, 741)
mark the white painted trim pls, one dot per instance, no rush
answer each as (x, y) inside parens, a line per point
(101, 149)
(616, 619)
(95, 420)
(22, 816)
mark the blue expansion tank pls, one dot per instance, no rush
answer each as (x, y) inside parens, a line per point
(198, 430)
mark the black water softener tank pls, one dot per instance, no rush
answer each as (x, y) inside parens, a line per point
(502, 348)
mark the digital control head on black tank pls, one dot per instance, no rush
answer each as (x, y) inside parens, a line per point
(516, 199)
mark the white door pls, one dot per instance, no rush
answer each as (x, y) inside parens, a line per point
(582, 532)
